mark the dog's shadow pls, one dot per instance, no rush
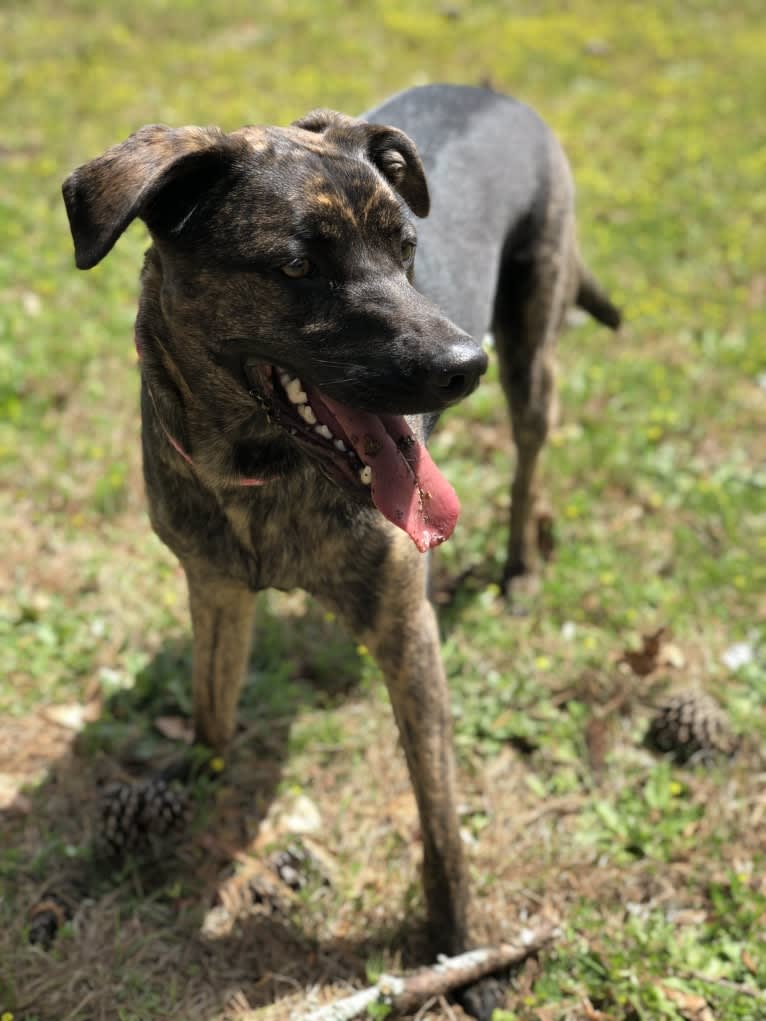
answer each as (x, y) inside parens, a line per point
(264, 952)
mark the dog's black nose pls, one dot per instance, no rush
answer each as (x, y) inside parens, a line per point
(458, 371)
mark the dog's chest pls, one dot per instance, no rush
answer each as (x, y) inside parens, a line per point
(301, 535)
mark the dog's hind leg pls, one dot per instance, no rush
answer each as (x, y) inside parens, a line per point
(534, 291)
(531, 391)
(222, 613)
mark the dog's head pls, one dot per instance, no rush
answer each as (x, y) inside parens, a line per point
(287, 254)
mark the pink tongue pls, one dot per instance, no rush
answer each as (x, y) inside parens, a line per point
(407, 487)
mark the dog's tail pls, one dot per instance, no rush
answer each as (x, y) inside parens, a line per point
(593, 299)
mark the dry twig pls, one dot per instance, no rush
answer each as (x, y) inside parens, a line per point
(406, 994)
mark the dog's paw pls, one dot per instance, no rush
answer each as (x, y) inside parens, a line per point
(482, 998)
(521, 592)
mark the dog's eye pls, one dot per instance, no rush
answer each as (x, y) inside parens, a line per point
(296, 268)
(408, 252)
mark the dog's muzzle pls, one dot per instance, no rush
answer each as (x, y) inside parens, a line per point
(456, 373)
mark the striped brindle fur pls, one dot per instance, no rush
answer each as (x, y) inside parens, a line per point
(295, 356)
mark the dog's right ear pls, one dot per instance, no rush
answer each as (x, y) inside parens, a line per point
(157, 174)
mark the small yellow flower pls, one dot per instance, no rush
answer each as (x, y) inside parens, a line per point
(675, 788)
(362, 650)
(217, 764)
(542, 662)
(7, 1016)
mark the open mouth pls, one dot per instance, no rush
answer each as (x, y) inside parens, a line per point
(378, 454)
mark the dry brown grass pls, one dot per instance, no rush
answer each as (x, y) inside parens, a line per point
(137, 939)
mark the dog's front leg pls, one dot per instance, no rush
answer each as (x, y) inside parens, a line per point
(222, 613)
(405, 641)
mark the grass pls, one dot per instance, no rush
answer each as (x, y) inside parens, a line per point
(657, 480)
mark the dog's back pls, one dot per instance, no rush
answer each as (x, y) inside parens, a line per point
(499, 252)
(487, 160)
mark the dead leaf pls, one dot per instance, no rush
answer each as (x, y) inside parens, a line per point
(646, 660)
(297, 814)
(303, 817)
(72, 716)
(691, 1006)
(598, 740)
(748, 962)
(217, 923)
(672, 656)
(175, 728)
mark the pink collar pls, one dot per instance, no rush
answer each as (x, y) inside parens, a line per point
(243, 481)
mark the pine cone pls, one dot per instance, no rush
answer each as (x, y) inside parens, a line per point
(55, 907)
(290, 865)
(46, 918)
(296, 865)
(133, 817)
(691, 724)
(165, 809)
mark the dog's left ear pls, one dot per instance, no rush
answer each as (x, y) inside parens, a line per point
(389, 149)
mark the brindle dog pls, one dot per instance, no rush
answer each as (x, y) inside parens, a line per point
(285, 334)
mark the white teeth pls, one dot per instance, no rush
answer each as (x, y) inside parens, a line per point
(307, 414)
(295, 393)
(340, 445)
(365, 475)
(323, 431)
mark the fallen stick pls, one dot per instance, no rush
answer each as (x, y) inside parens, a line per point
(406, 994)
